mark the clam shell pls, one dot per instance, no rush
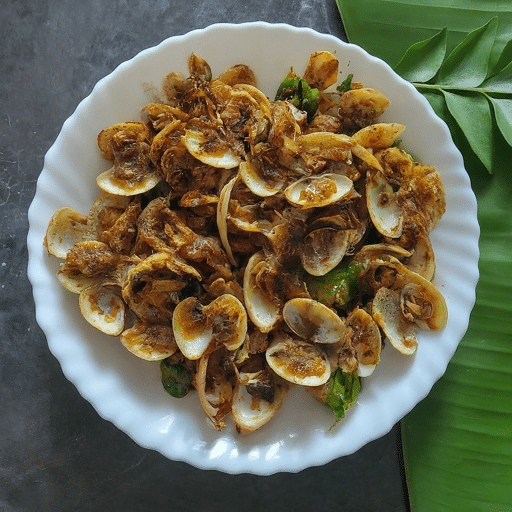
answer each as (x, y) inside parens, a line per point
(384, 211)
(386, 312)
(323, 249)
(190, 328)
(333, 146)
(422, 260)
(150, 287)
(74, 281)
(137, 128)
(195, 326)
(229, 320)
(250, 413)
(365, 370)
(109, 183)
(373, 252)
(66, 227)
(419, 299)
(318, 190)
(103, 309)
(149, 342)
(364, 101)
(262, 311)
(222, 217)
(365, 338)
(313, 321)
(255, 183)
(238, 74)
(419, 291)
(105, 200)
(366, 157)
(298, 361)
(222, 158)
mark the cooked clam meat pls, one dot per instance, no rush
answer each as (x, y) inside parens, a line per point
(151, 342)
(250, 244)
(196, 327)
(298, 361)
(319, 190)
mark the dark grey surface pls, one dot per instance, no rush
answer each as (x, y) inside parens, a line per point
(56, 453)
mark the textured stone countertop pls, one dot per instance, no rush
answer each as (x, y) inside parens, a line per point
(56, 452)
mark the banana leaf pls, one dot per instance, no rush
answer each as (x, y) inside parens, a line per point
(457, 442)
(386, 28)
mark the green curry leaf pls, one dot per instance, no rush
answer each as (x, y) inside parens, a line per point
(473, 114)
(501, 82)
(476, 76)
(468, 64)
(346, 85)
(175, 378)
(503, 114)
(461, 79)
(422, 60)
(343, 391)
(338, 287)
(296, 90)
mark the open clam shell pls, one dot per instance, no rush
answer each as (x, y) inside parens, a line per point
(298, 361)
(75, 281)
(255, 182)
(313, 321)
(324, 248)
(103, 308)
(151, 287)
(365, 338)
(223, 322)
(222, 217)
(386, 312)
(105, 200)
(373, 252)
(66, 227)
(263, 311)
(135, 129)
(221, 156)
(191, 330)
(318, 190)
(422, 260)
(250, 413)
(422, 303)
(229, 321)
(151, 342)
(386, 214)
(108, 182)
(408, 301)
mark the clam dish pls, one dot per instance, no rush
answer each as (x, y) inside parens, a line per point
(248, 245)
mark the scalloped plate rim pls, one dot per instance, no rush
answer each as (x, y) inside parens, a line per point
(266, 451)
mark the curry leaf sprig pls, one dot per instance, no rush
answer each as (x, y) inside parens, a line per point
(477, 96)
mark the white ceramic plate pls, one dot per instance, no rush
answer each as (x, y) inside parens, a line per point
(127, 390)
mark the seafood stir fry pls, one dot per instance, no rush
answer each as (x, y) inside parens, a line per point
(248, 245)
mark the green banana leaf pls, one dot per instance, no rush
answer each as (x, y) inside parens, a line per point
(386, 28)
(458, 441)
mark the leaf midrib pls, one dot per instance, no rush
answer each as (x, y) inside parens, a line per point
(441, 87)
